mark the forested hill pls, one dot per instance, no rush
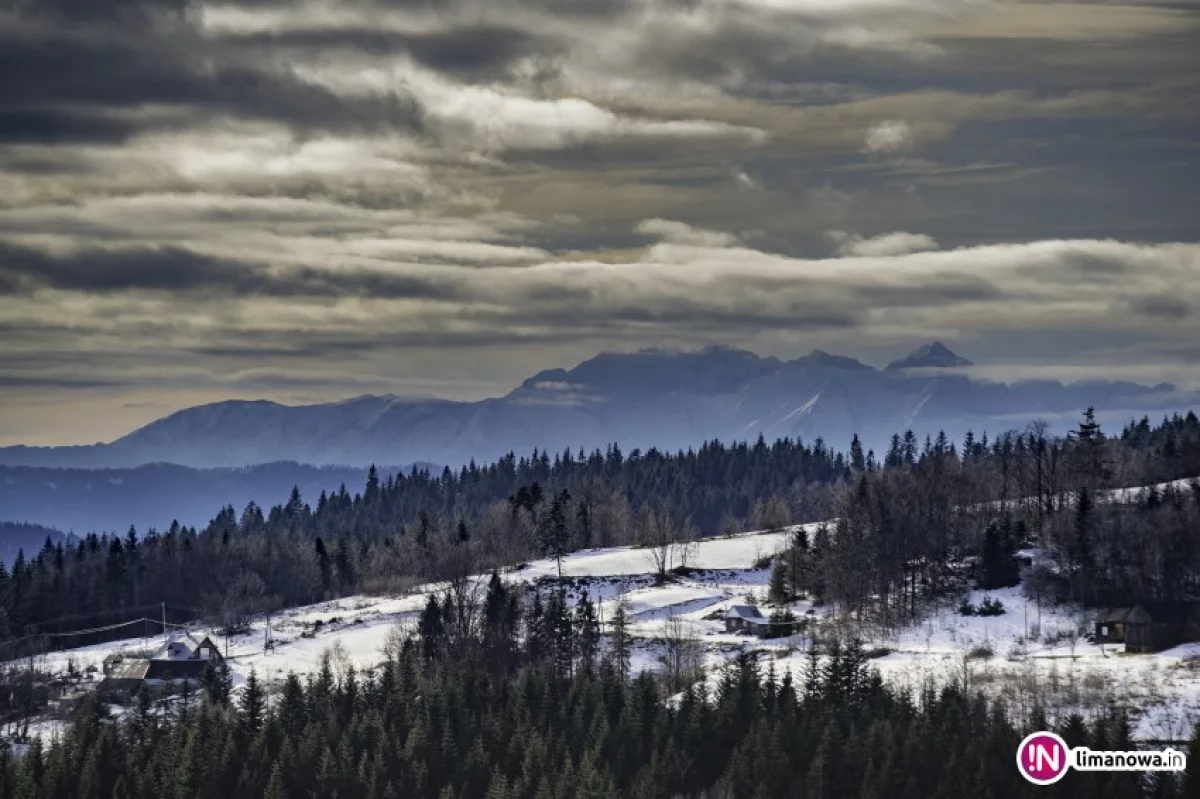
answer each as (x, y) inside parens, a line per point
(412, 527)
(16, 537)
(110, 500)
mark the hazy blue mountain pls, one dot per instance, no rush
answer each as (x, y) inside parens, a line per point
(931, 356)
(16, 537)
(671, 400)
(154, 495)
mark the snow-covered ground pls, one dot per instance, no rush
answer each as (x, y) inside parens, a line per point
(1031, 652)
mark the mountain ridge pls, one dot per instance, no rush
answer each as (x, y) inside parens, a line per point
(653, 397)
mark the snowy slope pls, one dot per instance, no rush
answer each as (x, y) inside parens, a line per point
(1031, 653)
(360, 625)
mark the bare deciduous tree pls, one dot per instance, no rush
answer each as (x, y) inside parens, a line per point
(776, 514)
(683, 656)
(661, 533)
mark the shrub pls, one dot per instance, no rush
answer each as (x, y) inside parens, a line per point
(991, 607)
(966, 609)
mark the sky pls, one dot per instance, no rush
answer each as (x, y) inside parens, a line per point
(304, 201)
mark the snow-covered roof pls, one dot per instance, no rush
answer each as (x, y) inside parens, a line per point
(182, 648)
(746, 612)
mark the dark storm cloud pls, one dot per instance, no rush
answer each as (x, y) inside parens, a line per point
(125, 13)
(49, 381)
(85, 83)
(940, 288)
(179, 270)
(176, 269)
(58, 126)
(593, 10)
(468, 51)
(1161, 306)
(704, 317)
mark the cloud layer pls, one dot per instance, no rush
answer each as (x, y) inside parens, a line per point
(303, 200)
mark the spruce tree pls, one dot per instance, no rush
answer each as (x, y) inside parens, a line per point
(587, 631)
(622, 643)
(253, 704)
(432, 629)
(553, 533)
(777, 589)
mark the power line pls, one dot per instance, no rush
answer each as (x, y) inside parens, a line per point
(109, 627)
(43, 636)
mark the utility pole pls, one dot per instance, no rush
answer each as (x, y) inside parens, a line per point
(164, 617)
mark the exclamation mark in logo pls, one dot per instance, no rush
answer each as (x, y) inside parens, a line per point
(1042, 758)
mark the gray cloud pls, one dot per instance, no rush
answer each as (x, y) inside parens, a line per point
(260, 195)
(182, 271)
(87, 75)
(1164, 306)
(481, 51)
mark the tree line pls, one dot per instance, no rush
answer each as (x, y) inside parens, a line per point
(903, 517)
(937, 520)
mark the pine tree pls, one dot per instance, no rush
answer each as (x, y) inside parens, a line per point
(217, 682)
(777, 589)
(275, 786)
(253, 704)
(587, 631)
(553, 533)
(622, 643)
(432, 629)
(560, 633)
(858, 461)
(500, 618)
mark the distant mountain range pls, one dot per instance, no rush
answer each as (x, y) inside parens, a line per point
(110, 500)
(660, 398)
(27, 538)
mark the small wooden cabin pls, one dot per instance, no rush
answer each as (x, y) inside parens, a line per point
(1156, 625)
(745, 619)
(1110, 625)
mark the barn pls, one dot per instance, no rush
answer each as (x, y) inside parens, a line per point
(1110, 625)
(1156, 625)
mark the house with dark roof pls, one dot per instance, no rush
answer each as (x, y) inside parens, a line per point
(1110, 625)
(181, 658)
(1155, 625)
(745, 619)
(125, 677)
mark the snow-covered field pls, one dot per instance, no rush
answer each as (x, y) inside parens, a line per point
(1031, 652)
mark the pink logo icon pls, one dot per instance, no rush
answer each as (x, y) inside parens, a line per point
(1042, 758)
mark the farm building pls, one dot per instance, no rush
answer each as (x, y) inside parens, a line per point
(1110, 625)
(745, 619)
(183, 658)
(1152, 626)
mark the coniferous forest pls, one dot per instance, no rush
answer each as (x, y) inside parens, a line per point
(902, 515)
(521, 695)
(476, 711)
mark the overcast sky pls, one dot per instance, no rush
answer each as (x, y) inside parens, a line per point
(311, 200)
